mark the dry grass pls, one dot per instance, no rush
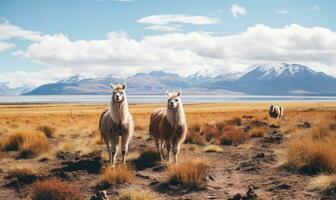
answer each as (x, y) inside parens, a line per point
(117, 174)
(189, 173)
(55, 190)
(48, 130)
(28, 143)
(312, 150)
(233, 135)
(137, 195)
(213, 148)
(260, 131)
(324, 183)
(24, 174)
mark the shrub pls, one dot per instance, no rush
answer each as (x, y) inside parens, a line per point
(117, 174)
(233, 135)
(55, 190)
(29, 143)
(258, 131)
(188, 173)
(312, 151)
(48, 131)
(195, 138)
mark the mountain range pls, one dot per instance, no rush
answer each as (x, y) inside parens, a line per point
(279, 79)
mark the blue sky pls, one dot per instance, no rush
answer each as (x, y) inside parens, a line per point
(47, 40)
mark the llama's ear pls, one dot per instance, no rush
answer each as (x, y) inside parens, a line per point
(111, 85)
(167, 93)
(124, 86)
(179, 93)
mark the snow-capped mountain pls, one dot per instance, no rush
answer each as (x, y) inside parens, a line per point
(206, 75)
(278, 79)
(6, 90)
(73, 79)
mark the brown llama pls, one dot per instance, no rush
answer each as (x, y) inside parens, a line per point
(275, 112)
(168, 126)
(117, 122)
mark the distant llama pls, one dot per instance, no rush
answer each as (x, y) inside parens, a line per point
(117, 122)
(168, 126)
(275, 111)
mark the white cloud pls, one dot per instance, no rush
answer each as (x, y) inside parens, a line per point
(185, 53)
(178, 19)
(237, 10)
(165, 28)
(4, 46)
(170, 23)
(316, 7)
(9, 31)
(282, 11)
(35, 78)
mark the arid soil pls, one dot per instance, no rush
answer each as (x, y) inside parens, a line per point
(251, 170)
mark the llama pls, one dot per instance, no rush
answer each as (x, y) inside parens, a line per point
(275, 111)
(117, 122)
(168, 126)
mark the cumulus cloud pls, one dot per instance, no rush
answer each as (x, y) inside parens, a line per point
(186, 53)
(237, 10)
(179, 52)
(170, 23)
(4, 46)
(9, 31)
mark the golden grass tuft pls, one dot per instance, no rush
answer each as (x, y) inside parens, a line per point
(117, 174)
(312, 151)
(213, 148)
(48, 131)
(189, 173)
(29, 143)
(55, 190)
(137, 195)
(324, 183)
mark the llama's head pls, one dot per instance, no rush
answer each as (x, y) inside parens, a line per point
(118, 92)
(174, 99)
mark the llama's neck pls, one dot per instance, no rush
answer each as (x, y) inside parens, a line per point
(176, 117)
(119, 111)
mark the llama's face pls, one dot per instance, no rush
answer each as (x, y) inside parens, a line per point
(118, 92)
(173, 99)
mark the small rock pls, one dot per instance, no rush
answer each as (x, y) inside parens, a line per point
(304, 125)
(100, 195)
(283, 186)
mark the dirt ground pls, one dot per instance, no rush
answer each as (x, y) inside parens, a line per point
(246, 171)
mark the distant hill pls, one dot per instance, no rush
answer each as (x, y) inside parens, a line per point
(6, 90)
(281, 79)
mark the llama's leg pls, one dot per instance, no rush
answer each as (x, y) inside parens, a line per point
(168, 146)
(158, 147)
(162, 148)
(114, 149)
(108, 149)
(176, 150)
(124, 147)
